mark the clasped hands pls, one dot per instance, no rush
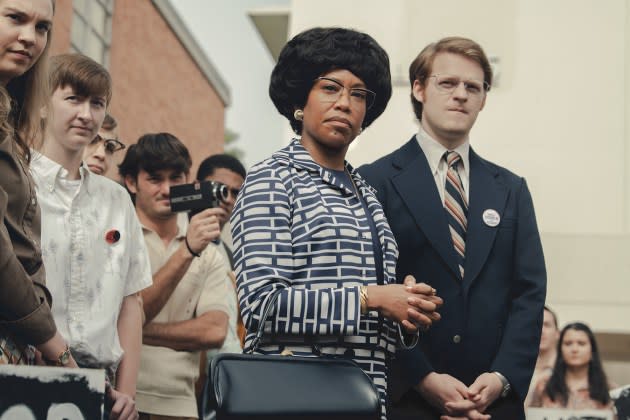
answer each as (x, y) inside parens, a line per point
(458, 401)
(413, 305)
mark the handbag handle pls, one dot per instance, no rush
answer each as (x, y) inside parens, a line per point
(261, 329)
(261, 325)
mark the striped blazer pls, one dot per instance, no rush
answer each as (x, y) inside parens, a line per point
(300, 231)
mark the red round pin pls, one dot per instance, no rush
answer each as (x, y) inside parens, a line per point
(112, 236)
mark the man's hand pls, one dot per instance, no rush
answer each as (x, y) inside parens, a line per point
(123, 406)
(204, 228)
(470, 415)
(483, 392)
(440, 390)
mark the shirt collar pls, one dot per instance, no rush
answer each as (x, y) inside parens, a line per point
(295, 155)
(434, 151)
(50, 172)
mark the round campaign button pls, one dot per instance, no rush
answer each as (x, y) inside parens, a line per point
(491, 217)
(112, 236)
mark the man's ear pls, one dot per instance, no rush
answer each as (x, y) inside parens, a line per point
(130, 183)
(418, 91)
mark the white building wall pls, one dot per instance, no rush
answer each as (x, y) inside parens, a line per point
(557, 116)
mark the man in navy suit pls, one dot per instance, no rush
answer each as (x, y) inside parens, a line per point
(467, 227)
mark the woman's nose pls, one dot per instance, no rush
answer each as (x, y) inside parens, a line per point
(27, 35)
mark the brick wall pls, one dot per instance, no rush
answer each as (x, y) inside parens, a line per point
(61, 27)
(157, 85)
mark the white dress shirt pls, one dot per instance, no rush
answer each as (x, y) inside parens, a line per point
(87, 274)
(434, 153)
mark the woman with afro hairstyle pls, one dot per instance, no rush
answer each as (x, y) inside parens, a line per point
(308, 230)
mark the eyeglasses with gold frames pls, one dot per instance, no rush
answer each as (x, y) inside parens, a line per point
(330, 90)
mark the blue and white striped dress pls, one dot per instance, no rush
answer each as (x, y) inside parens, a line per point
(298, 229)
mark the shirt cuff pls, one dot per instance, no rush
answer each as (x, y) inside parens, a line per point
(407, 340)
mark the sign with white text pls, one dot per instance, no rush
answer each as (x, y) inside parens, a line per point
(51, 393)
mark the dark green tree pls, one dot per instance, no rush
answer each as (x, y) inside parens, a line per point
(231, 137)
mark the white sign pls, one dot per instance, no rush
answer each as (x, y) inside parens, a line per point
(567, 414)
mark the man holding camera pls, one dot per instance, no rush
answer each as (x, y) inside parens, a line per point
(230, 172)
(185, 308)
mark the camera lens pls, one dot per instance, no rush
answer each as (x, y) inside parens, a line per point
(221, 192)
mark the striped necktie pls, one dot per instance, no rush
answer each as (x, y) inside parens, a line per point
(456, 207)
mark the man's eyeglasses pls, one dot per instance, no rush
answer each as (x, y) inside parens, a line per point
(111, 145)
(330, 90)
(447, 84)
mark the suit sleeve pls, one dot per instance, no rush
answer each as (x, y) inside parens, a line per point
(519, 346)
(261, 229)
(410, 365)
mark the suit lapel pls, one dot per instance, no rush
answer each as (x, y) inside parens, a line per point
(416, 186)
(486, 193)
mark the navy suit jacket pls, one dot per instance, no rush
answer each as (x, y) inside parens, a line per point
(492, 318)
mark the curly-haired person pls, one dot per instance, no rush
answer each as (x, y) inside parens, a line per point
(308, 228)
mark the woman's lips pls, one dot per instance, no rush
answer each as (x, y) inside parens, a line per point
(340, 122)
(96, 169)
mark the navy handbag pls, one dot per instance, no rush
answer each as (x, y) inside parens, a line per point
(253, 386)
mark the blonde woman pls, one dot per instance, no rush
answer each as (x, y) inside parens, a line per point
(26, 322)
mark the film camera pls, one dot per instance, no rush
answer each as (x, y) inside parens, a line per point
(197, 196)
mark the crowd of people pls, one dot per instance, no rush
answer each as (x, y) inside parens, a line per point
(94, 274)
(424, 267)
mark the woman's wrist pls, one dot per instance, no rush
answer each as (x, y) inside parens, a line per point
(363, 299)
(56, 351)
(372, 298)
